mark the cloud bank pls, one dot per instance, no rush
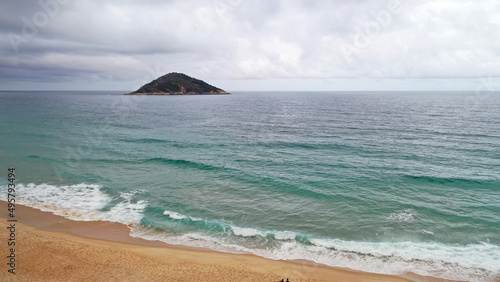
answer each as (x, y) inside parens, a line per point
(117, 43)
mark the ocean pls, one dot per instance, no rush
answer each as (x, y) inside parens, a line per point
(384, 182)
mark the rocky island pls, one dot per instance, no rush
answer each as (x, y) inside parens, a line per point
(177, 84)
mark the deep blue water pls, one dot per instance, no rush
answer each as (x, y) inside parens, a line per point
(382, 182)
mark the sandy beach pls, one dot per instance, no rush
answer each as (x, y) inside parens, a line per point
(52, 248)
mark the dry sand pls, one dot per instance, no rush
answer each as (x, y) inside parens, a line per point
(52, 248)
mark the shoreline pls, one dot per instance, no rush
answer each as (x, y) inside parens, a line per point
(51, 247)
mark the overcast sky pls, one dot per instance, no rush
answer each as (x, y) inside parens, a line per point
(251, 44)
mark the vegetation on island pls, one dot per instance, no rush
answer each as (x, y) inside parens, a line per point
(177, 84)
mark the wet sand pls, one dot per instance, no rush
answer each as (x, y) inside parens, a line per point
(52, 248)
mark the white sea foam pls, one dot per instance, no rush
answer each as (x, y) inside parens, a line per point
(247, 232)
(174, 215)
(81, 202)
(408, 215)
(127, 211)
(284, 235)
(237, 230)
(428, 232)
(84, 202)
(252, 232)
(475, 262)
(179, 216)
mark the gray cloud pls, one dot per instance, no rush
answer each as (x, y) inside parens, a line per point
(69, 40)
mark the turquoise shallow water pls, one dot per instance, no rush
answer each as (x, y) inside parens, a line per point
(381, 182)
